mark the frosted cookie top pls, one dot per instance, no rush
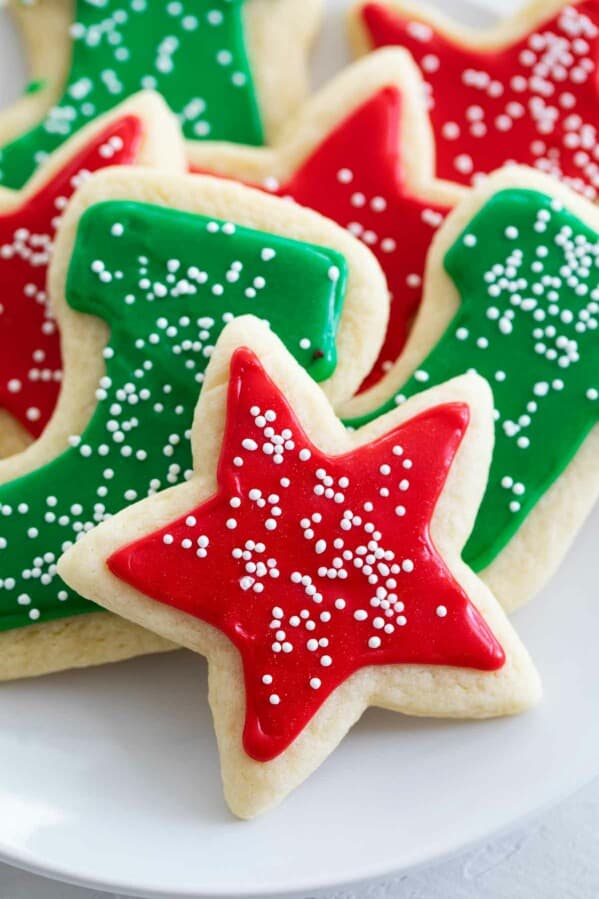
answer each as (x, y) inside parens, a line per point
(525, 92)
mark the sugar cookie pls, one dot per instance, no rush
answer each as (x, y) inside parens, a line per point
(361, 152)
(298, 558)
(158, 264)
(525, 91)
(512, 291)
(140, 131)
(229, 70)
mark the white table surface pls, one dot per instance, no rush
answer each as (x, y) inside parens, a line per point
(554, 856)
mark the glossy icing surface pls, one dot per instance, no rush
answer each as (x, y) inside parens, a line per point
(534, 101)
(315, 566)
(527, 272)
(166, 282)
(192, 51)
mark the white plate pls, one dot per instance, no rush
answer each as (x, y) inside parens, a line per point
(109, 778)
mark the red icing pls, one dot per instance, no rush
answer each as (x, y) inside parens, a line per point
(30, 362)
(394, 222)
(535, 101)
(255, 505)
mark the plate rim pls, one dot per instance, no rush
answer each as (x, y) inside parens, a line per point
(58, 874)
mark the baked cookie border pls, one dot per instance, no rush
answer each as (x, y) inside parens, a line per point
(252, 787)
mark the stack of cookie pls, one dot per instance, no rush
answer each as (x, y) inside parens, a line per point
(302, 385)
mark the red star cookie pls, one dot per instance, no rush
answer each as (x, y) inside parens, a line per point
(30, 362)
(361, 153)
(526, 91)
(329, 562)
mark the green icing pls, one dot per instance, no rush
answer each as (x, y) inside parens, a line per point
(34, 87)
(192, 51)
(527, 272)
(166, 282)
